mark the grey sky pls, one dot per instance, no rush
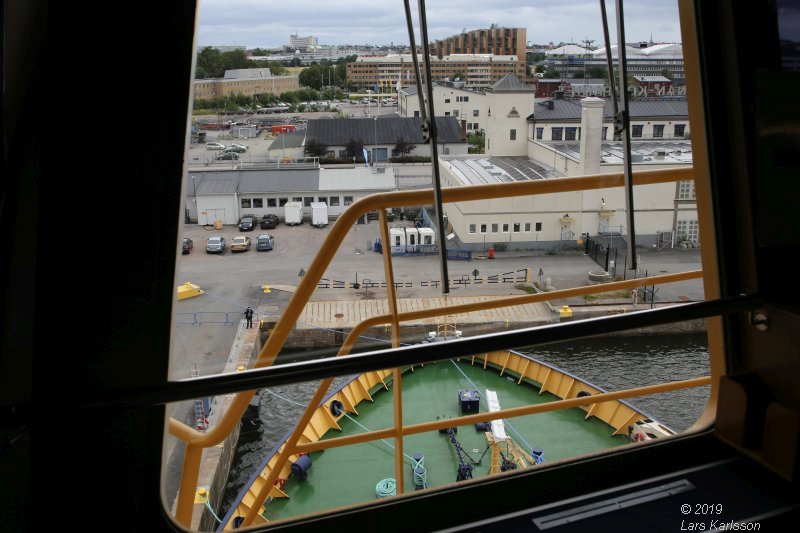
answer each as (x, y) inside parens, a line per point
(268, 23)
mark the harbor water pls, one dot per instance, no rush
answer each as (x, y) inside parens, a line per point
(612, 363)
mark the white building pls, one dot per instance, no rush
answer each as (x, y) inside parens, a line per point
(302, 43)
(466, 105)
(543, 221)
(227, 195)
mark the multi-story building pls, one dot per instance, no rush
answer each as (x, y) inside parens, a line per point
(477, 71)
(468, 106)
(574, 61)
(496, 41)
(248, 82)
(302, 43)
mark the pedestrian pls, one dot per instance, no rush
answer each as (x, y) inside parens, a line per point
(249, 316)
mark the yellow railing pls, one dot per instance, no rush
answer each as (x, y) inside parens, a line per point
(196, 441)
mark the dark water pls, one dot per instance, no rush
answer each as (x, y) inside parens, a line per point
(612, 363)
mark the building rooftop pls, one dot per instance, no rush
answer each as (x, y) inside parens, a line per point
(385, 131)
(642, 152)
(570, 109)
(505, 169)
(359, 178)
(292, 139)
(510, 83)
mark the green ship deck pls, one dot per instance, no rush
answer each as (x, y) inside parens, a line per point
(348, 475)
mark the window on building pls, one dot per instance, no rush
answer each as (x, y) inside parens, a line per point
(527, 226)
(475, 126)
(570, 134)
(322, 199)
(282, 201)
(557, 134)
(472, 228)
(538, 226)
(348, 200)
(505, 228)
(687, 230)
(342, 153)
(636, 130)
(297, 198)
(516, 227)
(246, 203)
(658, 130)
(416, 113)
(512, 135)
(494, 228)
(476, 113)
(680, 130)
(307, 201)
(605, 133)
(334, 201)
(258, 202)
(686, 190)
(483, 228)
(539, 133)
(272, 202)
(455, 112)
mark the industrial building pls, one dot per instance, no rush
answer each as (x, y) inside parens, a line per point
(247, 82)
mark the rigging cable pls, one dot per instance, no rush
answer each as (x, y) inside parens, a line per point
(429, 127)
(622, 118)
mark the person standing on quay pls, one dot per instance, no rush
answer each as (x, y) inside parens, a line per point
(248, 314)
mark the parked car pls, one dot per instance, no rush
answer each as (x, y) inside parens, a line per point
(239, 145)
(247, 223)
(215, 146)
(237, 148)
(228, 156)
(216, 245)
(265, 242)
(187, 245)
(241, 243)
(269, 221)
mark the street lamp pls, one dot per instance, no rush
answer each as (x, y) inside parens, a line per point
(375, 150)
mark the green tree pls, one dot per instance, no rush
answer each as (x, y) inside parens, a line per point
(311, 77)
(259, 52)
(209, 63)
(402, 147)
(538, 68)
(315, 149)
(667, 73)
(295, 62)
(355, 148)
(552, 74)
(597, 72)
(235, 59)
(476, 143)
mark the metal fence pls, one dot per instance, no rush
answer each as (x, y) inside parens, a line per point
(611, 254)
(211, 317)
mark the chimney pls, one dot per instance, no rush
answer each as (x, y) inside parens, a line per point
(550, 104)
(463, 130)
(558, 95)
(591, 135)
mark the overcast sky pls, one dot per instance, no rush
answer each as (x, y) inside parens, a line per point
(268, 23)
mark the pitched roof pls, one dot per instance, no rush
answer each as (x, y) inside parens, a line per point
(570, 109)
(291, 139)
(384, 131)
(510, 83)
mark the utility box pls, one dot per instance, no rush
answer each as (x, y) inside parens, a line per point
(397, 240)
(427, 236)
(412, 239)
(293, 213)
(469, 400)
(319, 214)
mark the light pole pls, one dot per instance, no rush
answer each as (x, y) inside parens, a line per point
(369, 101)
(375, 138)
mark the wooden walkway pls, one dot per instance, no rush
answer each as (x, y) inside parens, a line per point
(348, 313)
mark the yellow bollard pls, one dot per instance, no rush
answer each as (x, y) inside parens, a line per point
(565, 312)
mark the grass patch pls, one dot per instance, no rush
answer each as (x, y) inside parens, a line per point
(530, 289)
(616, 295)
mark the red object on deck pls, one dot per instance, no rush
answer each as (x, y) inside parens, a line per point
(283, 128)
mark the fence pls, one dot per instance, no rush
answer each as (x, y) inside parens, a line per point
(604, 251)
(521, 275)
(211, 317)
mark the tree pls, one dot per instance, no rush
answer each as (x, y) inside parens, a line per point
(667, 73)
(311, 77)
(355, 148)
(597, 72)
(295, 62)
(403, 148)
(315, 149)
(538, 68)
(552, 74)
(258, 52)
